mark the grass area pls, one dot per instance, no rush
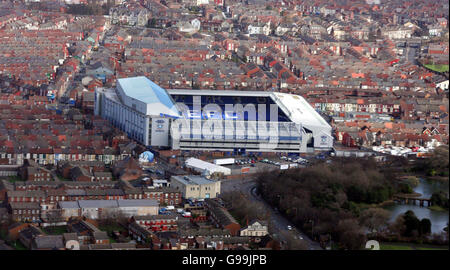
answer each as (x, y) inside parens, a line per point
(409, 246)
(110, 228)
(57, 230)
(425, 248)
(395, 247)
(3, 234)
(13, 179)
(438, 68)
(18, 245)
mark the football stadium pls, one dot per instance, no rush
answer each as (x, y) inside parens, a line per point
(214, 120)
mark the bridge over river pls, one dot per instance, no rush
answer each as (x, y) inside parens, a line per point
(412, 198)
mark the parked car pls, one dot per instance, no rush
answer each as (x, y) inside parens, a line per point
(289, 227)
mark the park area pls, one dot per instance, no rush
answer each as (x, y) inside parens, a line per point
(438, 68)
(409, 246)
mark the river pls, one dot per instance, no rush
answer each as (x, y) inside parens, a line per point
(439, 219)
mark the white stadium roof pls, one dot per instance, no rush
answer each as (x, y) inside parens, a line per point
(299, 110)
(294, 106)
(144, 90)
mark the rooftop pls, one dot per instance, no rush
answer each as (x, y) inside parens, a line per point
(144, 90)
(193, 180)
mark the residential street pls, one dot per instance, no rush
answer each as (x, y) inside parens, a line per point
(248, 186)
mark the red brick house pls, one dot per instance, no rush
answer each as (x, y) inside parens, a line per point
(31, 171)
(221, 217)
(164, 195)
(158, 223)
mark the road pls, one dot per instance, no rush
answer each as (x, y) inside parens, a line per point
(411, 55)
(248, 186)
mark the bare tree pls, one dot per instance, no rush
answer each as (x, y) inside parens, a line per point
(293, 244)
(375, 219)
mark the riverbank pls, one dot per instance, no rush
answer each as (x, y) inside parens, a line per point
(437, 215)
(363, 206)
(437, 208)
(437, 178)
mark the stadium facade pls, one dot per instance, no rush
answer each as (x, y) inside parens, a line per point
(225, 120)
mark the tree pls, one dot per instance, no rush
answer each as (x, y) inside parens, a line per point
(436, 164)
(375, 219)
(439, 199)
(330, 193)
(412, 223)
(398, 226)
(152, 23)
(425, 226)
(292, 243)
(350, 234)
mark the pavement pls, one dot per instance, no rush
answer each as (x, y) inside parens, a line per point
(248, 186)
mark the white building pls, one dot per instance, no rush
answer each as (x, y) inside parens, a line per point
(202, 2)
(189, 27)
(139, 107)
(442, 85)
(400, 33)
(224, 120)
(255, 228)
(259, 28)
(196, 187)
(95, 209)
(206, 167)
(435, 30)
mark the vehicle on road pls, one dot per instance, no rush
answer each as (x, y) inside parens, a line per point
(224, 161)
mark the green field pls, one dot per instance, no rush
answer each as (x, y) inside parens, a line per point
(58, 230)
(395, 247)
(425, 248)
(407, 246)
(13, 179)
(438, 68)
(110, 228)
(18, 245)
